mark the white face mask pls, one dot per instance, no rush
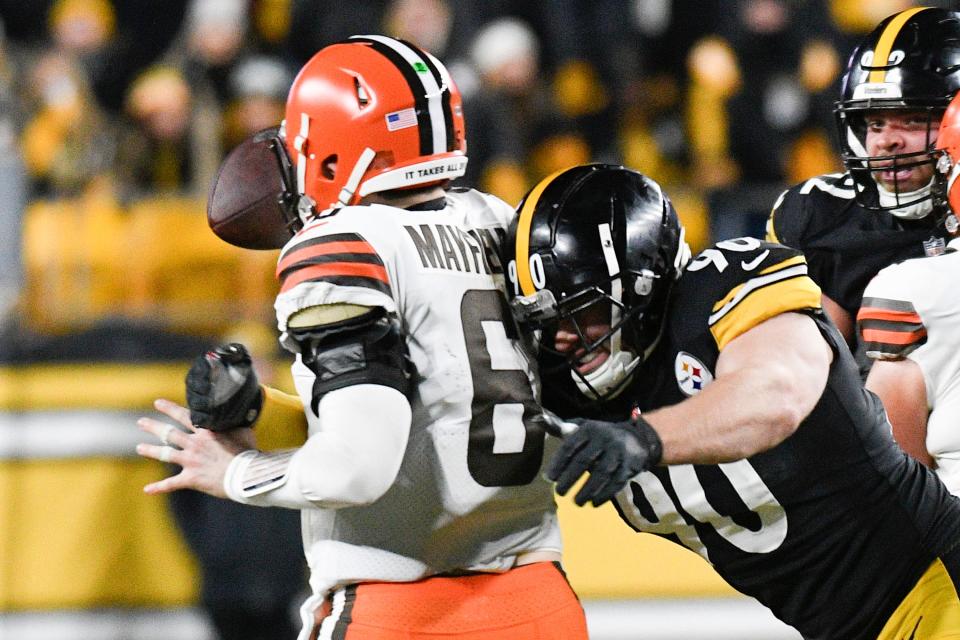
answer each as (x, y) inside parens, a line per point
(612, 377)
(914, 211)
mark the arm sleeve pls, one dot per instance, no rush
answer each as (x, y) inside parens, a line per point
(888, 322)
(351, 460)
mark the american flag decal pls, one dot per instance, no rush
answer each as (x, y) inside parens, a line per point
(401, 119)
(890, 329)
(344, 259)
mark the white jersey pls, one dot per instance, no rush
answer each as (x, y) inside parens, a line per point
(470, 494)
(912, 310)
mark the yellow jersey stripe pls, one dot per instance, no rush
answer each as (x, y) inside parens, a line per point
(771, 227)
(745, 287)
(789, 262)
(524, 221)
(930, 607)
(795, 293)
(881, 53)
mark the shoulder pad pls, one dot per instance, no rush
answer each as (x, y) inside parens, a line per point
(838, 185)
(322, 254)
(739, 283)
(365, 349)
(806, 205)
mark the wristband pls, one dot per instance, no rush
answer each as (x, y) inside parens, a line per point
(650, 437)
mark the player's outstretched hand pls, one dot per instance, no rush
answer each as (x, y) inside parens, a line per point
(613, 452)
(204, 455)
(222, 389)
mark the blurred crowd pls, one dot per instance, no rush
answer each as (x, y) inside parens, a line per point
(116, 113)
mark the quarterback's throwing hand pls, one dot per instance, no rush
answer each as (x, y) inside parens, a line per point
(613, 452)
(204, 455)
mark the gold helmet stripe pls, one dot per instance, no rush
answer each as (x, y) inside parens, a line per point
(524, 221)
(881, 53)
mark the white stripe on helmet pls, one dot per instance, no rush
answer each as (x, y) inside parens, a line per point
(431, 90)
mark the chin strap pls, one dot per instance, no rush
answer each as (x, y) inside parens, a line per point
(360, 168)
(921, 207)
(610, 378)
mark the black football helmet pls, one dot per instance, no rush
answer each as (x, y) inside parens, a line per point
(910, 61)
(595, 234)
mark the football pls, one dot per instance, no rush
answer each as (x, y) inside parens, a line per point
(244, 205)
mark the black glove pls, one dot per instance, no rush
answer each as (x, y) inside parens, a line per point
(613, 452)
(222, 389)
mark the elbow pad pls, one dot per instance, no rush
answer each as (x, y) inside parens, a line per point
(366, 349)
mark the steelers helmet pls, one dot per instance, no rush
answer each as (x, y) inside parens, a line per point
(911, 61)
(596, 236)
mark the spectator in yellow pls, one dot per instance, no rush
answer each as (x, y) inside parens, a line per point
(162, 150)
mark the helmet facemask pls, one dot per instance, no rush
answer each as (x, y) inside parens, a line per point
(948, 168)
(594, 252)
(297, 208)
(871, 192)
(602, 302)
(948, 190)
(910, 63)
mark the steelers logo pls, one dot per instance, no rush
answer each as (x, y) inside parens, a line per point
(692, 375)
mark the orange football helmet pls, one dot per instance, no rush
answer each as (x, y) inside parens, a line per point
(948, 166)
(371, 114)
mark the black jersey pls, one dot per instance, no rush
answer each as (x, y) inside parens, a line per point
(831, 528)
(844, 243)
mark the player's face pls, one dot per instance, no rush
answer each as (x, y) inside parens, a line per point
(897, 132)
(594, 324)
